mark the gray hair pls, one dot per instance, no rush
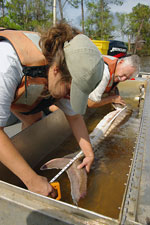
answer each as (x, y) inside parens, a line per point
(134, 61)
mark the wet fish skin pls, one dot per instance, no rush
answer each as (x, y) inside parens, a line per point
(121, 118)
(105, 126)
(117, 106)
(77, 177)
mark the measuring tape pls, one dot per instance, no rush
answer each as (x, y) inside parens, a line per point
(56, 184)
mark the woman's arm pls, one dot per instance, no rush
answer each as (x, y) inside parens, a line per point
(80, 132)
(27, 120)
(12, 159)
(10, 78)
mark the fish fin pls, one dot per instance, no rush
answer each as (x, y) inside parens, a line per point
(57, 163)
(78, 181)
(77, 177)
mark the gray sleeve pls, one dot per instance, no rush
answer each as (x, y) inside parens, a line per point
(65, 106)
(10, 77)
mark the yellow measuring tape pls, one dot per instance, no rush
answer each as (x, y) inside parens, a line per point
(56, 185)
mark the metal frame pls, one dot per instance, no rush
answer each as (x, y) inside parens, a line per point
(20, 206)
(137, 200)
(17, 204)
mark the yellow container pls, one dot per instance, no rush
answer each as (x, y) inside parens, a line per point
(103, 46)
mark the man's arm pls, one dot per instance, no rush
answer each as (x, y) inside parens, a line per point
(13, 160)
(106, 100)
(80, 132)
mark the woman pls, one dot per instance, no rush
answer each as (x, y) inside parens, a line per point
(74, 66)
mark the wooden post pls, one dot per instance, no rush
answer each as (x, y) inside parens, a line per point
(54, 12)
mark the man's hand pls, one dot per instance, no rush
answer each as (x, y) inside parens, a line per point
(87, 162)
(117, 99)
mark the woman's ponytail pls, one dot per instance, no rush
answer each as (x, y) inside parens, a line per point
(54, 39)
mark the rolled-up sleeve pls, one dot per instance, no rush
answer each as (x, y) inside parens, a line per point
(96, 95)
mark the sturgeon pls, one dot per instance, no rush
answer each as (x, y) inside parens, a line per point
(78, 177)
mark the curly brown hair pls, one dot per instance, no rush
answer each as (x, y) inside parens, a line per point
(52, 43)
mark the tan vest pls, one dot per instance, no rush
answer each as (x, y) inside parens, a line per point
(34, 82)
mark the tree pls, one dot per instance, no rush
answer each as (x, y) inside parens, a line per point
(122, 26)
(82, 15)
(63, 3)
(140, 24)
(98, 24)
(41, 13)
(27, 14)
(5, 20)
(2, 7)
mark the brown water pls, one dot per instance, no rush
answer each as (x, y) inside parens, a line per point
(108, 175)
(145, 64)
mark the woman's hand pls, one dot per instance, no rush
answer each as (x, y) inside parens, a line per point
(87, 162)
(41, 186)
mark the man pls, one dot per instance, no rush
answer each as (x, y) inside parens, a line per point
(115, 71)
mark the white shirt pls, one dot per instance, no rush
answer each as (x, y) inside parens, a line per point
(96, 95)
(10, 77)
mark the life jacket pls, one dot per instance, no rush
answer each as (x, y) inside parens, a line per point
(111, 63)
(34, 82)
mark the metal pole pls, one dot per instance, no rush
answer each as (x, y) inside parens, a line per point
(54, 12)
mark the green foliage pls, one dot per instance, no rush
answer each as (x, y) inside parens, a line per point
(98, 24)
(74, 3)
(8, 23)
(27, 14)
(2, 7)
(123, 25)
(139, 13)
(136, 26)
(139, 23)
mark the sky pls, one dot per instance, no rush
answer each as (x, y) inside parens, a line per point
(74, 14)
(128, 5)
